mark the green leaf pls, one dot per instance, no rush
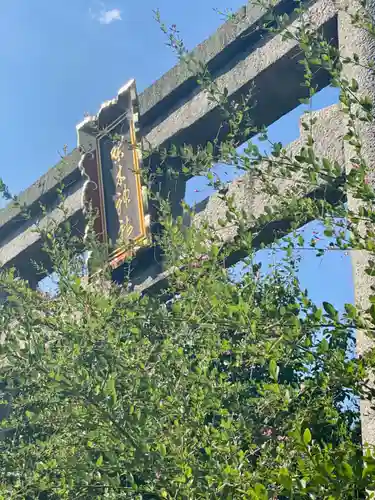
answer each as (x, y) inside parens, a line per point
(326, 164)
(99, 461)
(351, 311)
(274, 370)
(323, 346)
(372, 311)
(300, 158)
(259, 489)
(318, 314)
(370, 270)
(209, 148)
(347, 470)
(162, 449)
(330, 310)
(111, 389)
(307, 436)
(285, 479)
(354, 86)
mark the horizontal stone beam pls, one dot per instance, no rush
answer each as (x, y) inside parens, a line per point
(249, 196)
(247, 191)
(152, 280)
(237, 53)
(25, 246)
(221, 50)
(43, 192)
(270, 68)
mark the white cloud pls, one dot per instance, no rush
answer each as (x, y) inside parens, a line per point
(107, 16)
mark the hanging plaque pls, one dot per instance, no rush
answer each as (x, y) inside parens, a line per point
(111, 162)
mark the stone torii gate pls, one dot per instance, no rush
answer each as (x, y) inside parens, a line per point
(175, 110)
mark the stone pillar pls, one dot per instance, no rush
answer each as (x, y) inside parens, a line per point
(354, 40)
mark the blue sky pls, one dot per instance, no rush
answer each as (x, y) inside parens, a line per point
(62, 58)
(59, 60)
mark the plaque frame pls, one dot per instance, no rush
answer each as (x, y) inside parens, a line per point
(92, 132)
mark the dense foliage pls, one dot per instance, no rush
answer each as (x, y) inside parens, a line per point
(226, 391)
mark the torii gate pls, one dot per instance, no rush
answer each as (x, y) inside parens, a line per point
(175, 110)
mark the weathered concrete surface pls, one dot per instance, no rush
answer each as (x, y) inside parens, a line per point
(198, 120)
(219, 52)
(248, 192)
(353, 40)
(240, 58)
(43, 191)
(21, 247)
